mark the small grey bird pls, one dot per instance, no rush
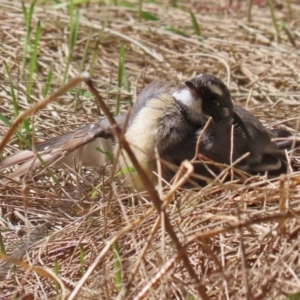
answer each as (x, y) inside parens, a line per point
(169, 118)
(156, 120)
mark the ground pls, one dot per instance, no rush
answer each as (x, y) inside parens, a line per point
(83, 235)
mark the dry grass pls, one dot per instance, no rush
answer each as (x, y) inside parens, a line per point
(242, 240)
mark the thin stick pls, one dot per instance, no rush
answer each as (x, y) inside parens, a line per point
(151, 192)
(231, 150)
(200, 138)
(166, 201)
(274, 217)
(244, 272)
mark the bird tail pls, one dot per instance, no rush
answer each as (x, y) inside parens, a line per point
(285, 140)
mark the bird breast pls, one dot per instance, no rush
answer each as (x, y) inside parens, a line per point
(159, 124)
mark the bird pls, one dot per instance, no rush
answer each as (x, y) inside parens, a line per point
(80, 145)
(172, 122)
(169, 117)
(249, 134)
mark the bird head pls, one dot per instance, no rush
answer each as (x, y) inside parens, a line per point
(213, 94)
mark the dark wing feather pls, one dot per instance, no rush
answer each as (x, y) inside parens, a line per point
(216, 145)
(258, 137)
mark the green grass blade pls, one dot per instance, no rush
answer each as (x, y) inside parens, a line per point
(117, 267)
(33, 61)
(12, 89)
(126, 170)
(27, 45)
(56, 271)
(140, 10)
(49, 172)
(234, 55)
(28, 137)
(274, 20)
(96, 50)
(173, 3)
(195, 24)
(149, 16)
(74, 31)
(120, 76)
(71, 16)
(20, 137)
(86, 50)
(48, 83)
(177, 31)
(82, 256)
(73, 27)
(294, 296)
(108, 154)
(249, 12)
(288, 2)
(290, 36)
(2, 247)
(127, 87)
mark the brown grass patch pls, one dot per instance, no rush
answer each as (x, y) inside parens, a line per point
(242, 240)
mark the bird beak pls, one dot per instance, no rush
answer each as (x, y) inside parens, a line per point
(191, 87)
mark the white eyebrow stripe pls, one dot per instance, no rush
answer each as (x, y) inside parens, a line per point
(215, 89)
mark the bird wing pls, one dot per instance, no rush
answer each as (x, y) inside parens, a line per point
(78, 146)
(258, 137)
(216, 143)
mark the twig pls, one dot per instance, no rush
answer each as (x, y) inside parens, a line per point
(152, 194)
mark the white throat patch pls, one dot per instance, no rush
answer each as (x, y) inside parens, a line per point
(193, 104)
(185, 97)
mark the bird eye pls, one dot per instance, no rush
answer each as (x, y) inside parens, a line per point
(214, 100)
